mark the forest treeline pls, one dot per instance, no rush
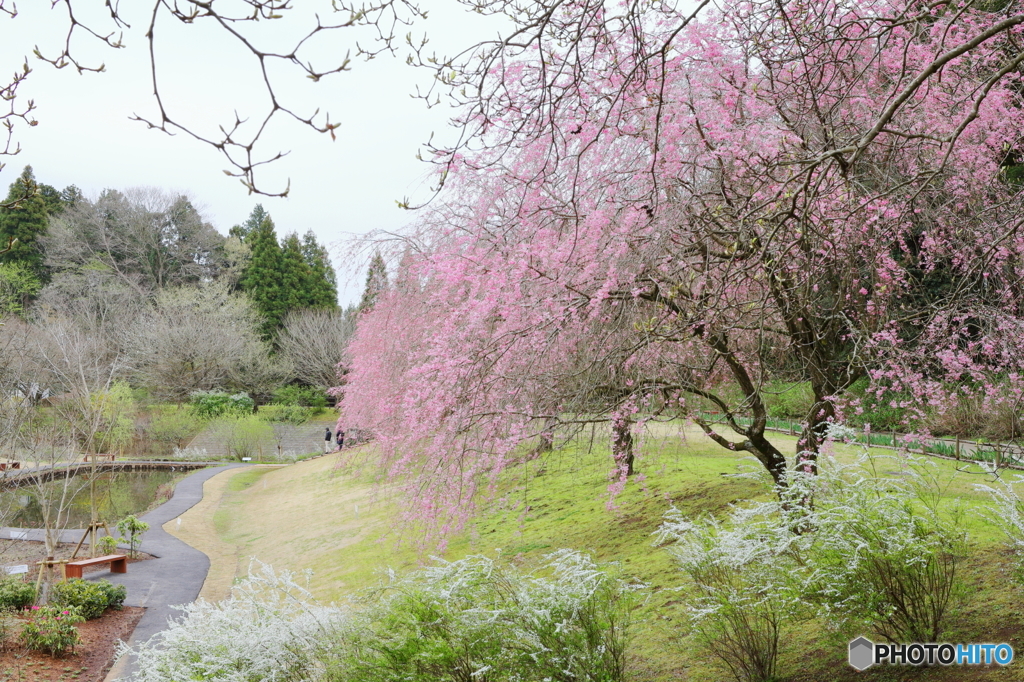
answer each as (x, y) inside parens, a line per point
(136, 285)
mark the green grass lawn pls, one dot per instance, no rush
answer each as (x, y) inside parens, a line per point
(337, 523)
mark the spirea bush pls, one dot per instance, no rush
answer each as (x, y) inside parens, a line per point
(477, 618)
(852, 546)
(270, 628)
(1008, 514)
(886, 556)
(190, 454)
(746, 579)
(480, 618)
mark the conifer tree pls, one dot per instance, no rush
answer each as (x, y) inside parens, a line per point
(263, 279)
(323, 285)
(283, 276)
(251, 224)
(296, 275)
(376, 283)
(24, 217)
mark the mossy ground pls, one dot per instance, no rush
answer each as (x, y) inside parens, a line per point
(328, 515)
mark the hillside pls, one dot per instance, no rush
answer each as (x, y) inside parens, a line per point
(327, 515)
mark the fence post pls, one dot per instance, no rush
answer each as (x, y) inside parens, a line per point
(957, 448)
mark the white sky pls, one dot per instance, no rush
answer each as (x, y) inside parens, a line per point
(84, 136)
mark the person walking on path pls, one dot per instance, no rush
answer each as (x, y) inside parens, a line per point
(341, 439)
(327, 440)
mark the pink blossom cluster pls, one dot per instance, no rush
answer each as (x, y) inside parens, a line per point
(652, 208)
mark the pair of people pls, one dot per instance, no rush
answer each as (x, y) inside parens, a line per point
(340, 439)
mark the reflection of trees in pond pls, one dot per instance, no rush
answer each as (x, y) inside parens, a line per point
(117, 496)
(30, 515)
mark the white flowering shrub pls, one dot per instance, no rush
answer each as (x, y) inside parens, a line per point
(190, 454)
(840, 432)
(887, 555)
(481, 619)
(269, 629)
(746, 575)
(1008, 514)
(850, 545)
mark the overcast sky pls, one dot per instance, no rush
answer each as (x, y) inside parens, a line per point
(84, 136)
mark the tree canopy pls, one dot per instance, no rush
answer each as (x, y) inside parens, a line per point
(148, 238)
(283, 277)
(24, 217)
(661, 213)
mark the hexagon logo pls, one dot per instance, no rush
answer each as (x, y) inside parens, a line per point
(862, 653)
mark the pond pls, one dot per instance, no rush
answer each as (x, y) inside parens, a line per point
(116, 495)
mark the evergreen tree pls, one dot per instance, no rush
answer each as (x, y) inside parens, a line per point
(262, 278)
(71, 196)
(24, 217)
(376, 283)
(296, 275)
(283, 276)
(323, 285)
(251, 224)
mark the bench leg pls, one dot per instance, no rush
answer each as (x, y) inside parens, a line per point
(119, 566)
(72, 572)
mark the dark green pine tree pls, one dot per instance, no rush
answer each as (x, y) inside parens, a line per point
(322, 290)
(376, 283)
(263, 279)
(24, 217)
(296, 275)
(59, 200)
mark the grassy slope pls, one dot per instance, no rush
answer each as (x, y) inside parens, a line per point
(314, 516)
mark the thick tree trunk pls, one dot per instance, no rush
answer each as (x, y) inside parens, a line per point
(622, 444)
(815, 430)
(769, 455)
(546, 439)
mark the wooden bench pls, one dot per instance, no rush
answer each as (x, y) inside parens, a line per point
(118, 564)
(4, 466)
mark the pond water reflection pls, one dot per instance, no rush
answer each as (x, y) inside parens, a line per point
(117, 495)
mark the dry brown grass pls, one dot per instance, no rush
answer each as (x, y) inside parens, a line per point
(257, 513)
(196, 527)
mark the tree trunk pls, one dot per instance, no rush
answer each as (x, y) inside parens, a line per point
(622, 444)
(808, 446)
(546, 439)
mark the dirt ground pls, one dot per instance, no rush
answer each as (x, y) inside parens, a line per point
(90, 661)
(28, 552)
(93, 658)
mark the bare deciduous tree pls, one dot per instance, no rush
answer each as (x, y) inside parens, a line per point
(314, 343)
(148, 238)
(198, 338)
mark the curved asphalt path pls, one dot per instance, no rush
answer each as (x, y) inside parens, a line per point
(175, 577)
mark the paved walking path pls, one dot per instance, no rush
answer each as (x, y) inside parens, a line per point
(175, 577)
